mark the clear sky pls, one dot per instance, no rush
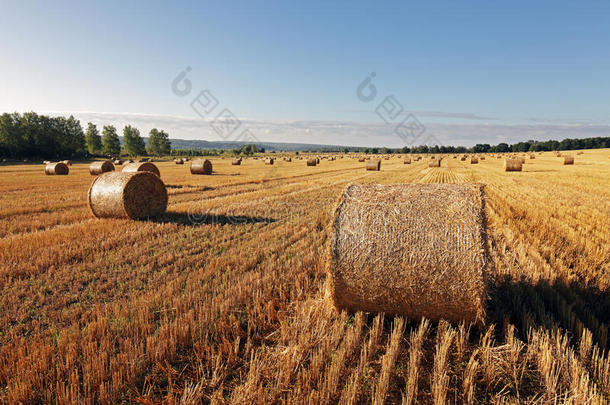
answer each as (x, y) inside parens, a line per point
(468, 71)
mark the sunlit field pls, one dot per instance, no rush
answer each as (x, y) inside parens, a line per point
(223, 299)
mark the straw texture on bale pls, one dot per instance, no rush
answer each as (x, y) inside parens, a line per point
(513, 165)
(269, 161)
(58, 168)
(568, 159)
(236, 162)
(127, 195)
(434, 163)
(141, 167)
(407, 161)
(374, 164)
(201, 166)
(474, 160)
(97, 168)
(311, 162)
(415, 250)
(67, 162)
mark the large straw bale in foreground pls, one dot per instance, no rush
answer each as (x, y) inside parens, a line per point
(97, 168)
(415, 250)
(58, 168)
(141, 167)
(127, 195)
(201, 166)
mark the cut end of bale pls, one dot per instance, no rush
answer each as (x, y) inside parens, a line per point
(415, 250)
(132, 195)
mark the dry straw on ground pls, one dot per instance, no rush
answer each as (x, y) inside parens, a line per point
(434, 163)
(97, 168)
(141, 167)
(127, 195)
(374, 164)
(201, 166)
(311, 162)
(568, 159)
(513, 165)
(415, 250)
(59, 168)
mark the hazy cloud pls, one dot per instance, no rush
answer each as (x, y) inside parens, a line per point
(345, 132)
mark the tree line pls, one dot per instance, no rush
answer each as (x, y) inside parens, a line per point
(32, 135)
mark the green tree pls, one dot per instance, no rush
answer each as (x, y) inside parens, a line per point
(93, 140)
(111, 145)
(133, 142)
(158, 143)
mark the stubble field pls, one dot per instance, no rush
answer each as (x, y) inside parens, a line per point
(223, 299)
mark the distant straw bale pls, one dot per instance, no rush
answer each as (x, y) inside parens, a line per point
(407, 161)
(311, 162)
(141, 167)
(97, 168)
(415, 250)
(568, 159)
(269, 161)
(373, 164)
(179, 161)
(57, 168)
(127, 195)
(513, 165)
(201, 166)
(236, 162)
(434, 163)
(474, 160)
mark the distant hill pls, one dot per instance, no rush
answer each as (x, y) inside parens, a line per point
(269, 146)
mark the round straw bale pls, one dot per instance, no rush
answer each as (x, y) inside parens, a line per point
(269, 161)
(407, 161)
(67, 162)
(201, 166)
(513, 165)
(373, 164)
(287, 159)
(100, 167)
(579, 152)
(236, 162)
(361, 159)
(45, 162)
(415, 250)
(532, 156)
(127, 195)
(179, 161)
(522, 159)
(482, 158)
(568, 159)
(463, 158)
(141, 167)
(118, 162)
(58, 168)
(311, 162)
(474, 160)
(434, 163)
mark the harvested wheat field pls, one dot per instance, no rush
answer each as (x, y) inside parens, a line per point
(225, 297)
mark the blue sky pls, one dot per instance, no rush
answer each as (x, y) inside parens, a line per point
(468, 71)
